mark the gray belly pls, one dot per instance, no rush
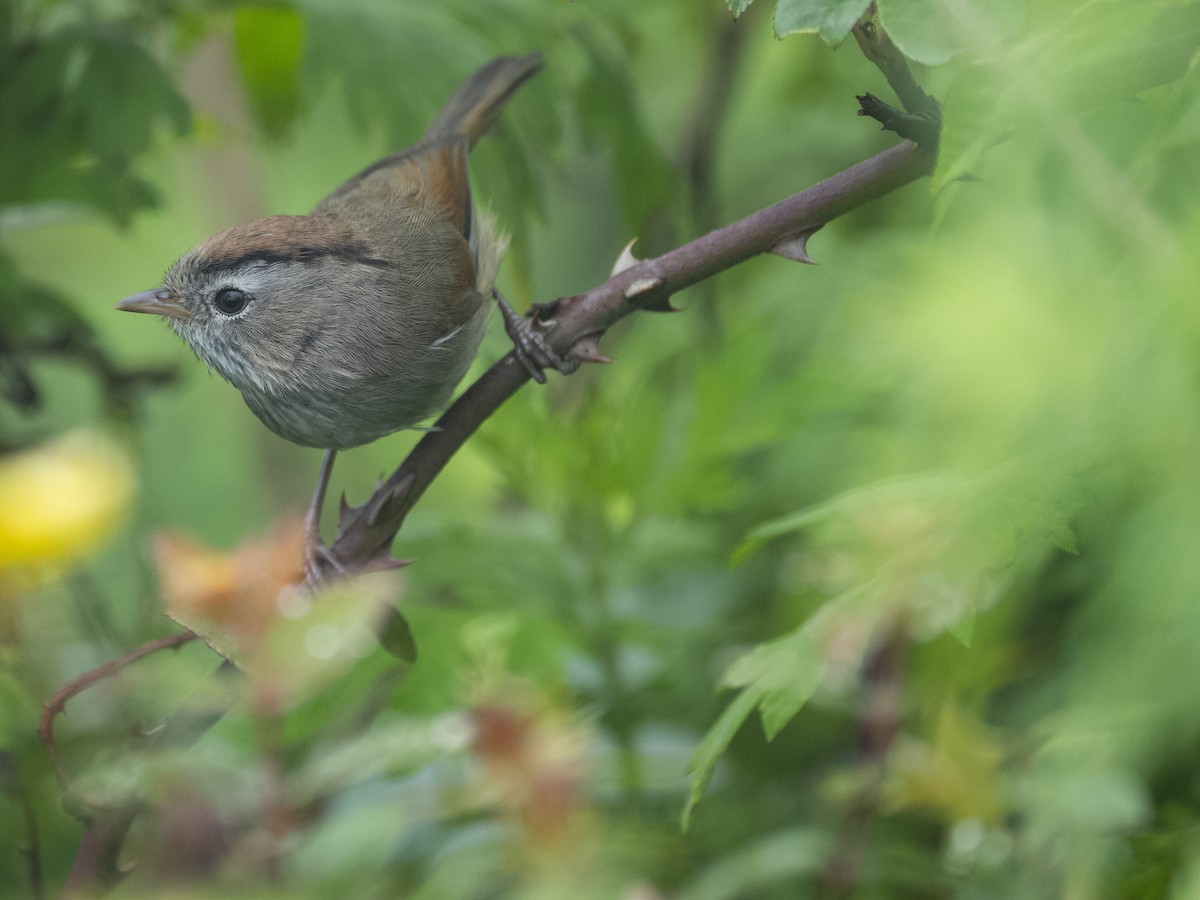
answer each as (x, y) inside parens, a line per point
(340, 420)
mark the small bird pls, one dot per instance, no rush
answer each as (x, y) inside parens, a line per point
(359, 319)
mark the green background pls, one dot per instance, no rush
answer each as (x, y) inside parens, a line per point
(964, 444)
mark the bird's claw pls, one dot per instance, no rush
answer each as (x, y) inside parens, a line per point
(530, 345)
(320, 562)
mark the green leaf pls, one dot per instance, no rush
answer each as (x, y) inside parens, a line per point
(76, 110)
(783, 674)
(396, 637)
(832, 19)
(751, 870)
(709, 751)
(123, 92)
(887, 491)
(973, 119)
(934, 31)
(611, 117)
(778, 679)
(737, 7)
(269, 42)
(788, 524)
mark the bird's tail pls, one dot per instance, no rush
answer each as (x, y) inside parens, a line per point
(476, 104)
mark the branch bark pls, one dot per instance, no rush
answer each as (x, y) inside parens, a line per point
(572, 325)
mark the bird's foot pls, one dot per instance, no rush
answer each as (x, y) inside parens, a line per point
(530, 345)
(320, 562)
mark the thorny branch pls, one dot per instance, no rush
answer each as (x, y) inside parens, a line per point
(96, 865)
(573, 325)
(57, 704)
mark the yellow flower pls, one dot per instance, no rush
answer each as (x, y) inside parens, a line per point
(58, 501)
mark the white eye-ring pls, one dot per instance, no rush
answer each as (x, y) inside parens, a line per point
(230, 301)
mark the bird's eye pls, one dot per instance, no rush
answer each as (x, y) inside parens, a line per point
(230, 301)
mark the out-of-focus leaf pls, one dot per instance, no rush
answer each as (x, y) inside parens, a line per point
(783, 858)
(777, 678)
(832, 19)
(934, 31)
(858, 503)
(956, 774)
(611, 118)
(124, 94)
(396, 637)
(975, 115)
(390, 748)
(76, 110)
(247, 606)
(709, 751)
(269, 42)
(783, 673)
(935, 544)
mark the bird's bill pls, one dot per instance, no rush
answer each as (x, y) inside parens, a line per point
(160, 302)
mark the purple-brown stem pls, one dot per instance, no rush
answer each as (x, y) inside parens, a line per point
(96, 868)
(572, 324)
(58, 702)
(880, 717)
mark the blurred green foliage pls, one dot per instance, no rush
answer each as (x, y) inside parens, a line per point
(929, 511)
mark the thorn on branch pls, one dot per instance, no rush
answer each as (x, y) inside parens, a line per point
(380, 501)
(626, 260)
(587, 349)
(795, 246)
(384, 562)
(644, 294)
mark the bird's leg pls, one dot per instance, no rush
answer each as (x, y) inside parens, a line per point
(318, 560)
(531, 347)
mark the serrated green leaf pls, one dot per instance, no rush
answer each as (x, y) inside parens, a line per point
(777, 678)
(737, 7)
(832, 19)
(783, 674)
(269, 42)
